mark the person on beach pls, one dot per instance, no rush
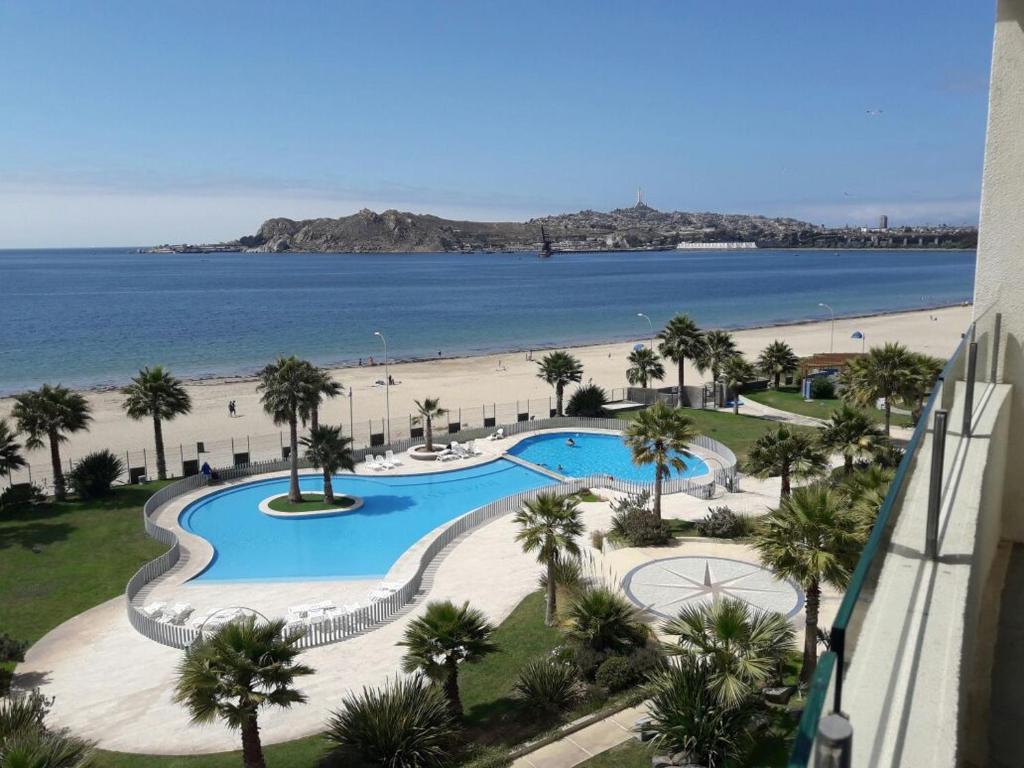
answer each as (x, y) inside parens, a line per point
(231, 409)
(360, 362)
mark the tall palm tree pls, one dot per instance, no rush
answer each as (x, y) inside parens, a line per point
(788, 454)
(429, 409)
(549, 525)
(559, 369)
(777, 359)
(658, 435)
(927, 370)
(737, 371)
(886, 372)
(243, 668)
(51, 412)
(865, 491)
(322, 386)
(744, 647)
(681, 340)
(852, 433)
(156, 394)
(718, 347)
(812, 538)
(289, 386)
(328, 450)
(10, 450)
(444, 638)
(644, 366)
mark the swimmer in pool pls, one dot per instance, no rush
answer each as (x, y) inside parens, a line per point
(571, 443)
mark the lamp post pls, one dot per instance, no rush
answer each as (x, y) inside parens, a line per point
(832, 331)
(645, 317)
(387, 385)
(351, 421)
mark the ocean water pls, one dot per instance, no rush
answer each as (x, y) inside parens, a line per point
(94, 317)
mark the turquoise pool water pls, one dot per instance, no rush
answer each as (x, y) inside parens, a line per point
(593, 454)
(397, 511)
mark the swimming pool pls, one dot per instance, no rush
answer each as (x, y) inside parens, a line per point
(593, 454)
(398, 510)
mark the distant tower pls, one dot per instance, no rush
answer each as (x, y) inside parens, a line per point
(883, 222)
(639, 197)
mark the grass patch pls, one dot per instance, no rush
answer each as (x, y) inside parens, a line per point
(681, 527)
(311, 502)
(790, 399)
(587, 496)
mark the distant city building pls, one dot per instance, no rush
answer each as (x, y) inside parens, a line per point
(883, 222)
(716, 246)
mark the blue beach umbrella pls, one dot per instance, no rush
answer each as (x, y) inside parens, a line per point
(861, 336)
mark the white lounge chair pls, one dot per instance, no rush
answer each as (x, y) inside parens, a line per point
(351, 607)
(154, 609)
(447, 455)
(389, 455)
(472, 450)
(179, 612)
(499, 434)
(384, 463)
(316, 616)
(371, 463)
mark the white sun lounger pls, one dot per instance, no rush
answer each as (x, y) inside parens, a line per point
(384, 463)
(351, 607)
(389, 455)
(447, 455)
(498, 434)
(154, 609)
(472, 450)
(178, 613)
(371, 463)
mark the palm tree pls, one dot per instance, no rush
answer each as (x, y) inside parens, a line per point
(605, 622)
(559, 369)
(777, 359)
(429, 409)
(658, 435)
(549, 526)
(865, 491)
(718, 347)
(243, 668)
(330, 452)
(588, 400)
(737, 371)
(788, 454)
(644, 366)
(445, 637)
(681, 340)
(25, 741)
(322, 386)
(812, 538)
(927, 370)
(743, 647)
(10, 450)
(52, 413)
(288, 387)
(887, 372)
(852, 433)
(156, 394)
(405, 723)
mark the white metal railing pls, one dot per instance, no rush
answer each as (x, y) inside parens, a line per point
(353, 623)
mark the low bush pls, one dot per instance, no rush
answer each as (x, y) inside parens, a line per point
(617, 673)
(11, 651)
(548, 684)
(588, 400)
(568, 575)
(634, 523)
(723, 523)
(597, 540)
(21, 495)
(823, 388)
(94, 475)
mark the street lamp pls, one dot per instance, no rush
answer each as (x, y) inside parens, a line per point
(351, 421)
(645, 317)
(387, 385)
(832, 331)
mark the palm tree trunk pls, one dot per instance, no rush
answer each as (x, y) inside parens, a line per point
(293, 440)
(736, 401)
(328, 487)
(888, 415)
(252, 749)
(682, 379)
(430, 434)
(811, 631)
(549, 610)
(778, 380)
(451, 688)
(59, 489)
(785, 481)
(314, 419)
(657, 492)
(559, 390)
(161, 459)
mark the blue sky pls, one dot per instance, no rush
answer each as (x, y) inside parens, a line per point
(138, 122)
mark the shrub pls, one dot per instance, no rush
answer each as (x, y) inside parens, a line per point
(605, 621)
(548, 684)
(21, 495)
(617, 673)
(636, 524)
(588, 400)
(93, 476)
(823, 388)
(568, 574)
(11, 650)
(723, 523)
(597, 540)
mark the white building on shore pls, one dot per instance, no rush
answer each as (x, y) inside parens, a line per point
(716, 246)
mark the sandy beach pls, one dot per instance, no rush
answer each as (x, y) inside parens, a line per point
(472, 384)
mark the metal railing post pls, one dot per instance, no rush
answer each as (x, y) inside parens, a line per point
(972, 368)
(837, 644)
(834, 745)
(931, 544)
(997, 330)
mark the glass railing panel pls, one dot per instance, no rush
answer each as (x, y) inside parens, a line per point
(818, 694)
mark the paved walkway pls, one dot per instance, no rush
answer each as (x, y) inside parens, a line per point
(579, 747)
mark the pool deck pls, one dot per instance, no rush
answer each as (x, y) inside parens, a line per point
(114, 686)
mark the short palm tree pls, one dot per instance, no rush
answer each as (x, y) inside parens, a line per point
(245, 667)
(604, 621)
(788, 454)
(927, 370)
(429, 409)
(158, 395)
(322, 387)
(549, 525)
(658, 435)
(681, 340)
(777, 359)
(718, 347)
(813, 538)
(888, 372)
(644, 367)
(10, 450)
(288, 387)
(559, 369)
(25, 741)
(850, 432)
(588, 400)
(737, 371)
(444, 638)
(405, 723)
(330, 452)
(51, 412)
(743, 647)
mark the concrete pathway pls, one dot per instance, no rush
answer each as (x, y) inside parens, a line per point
(582, 745)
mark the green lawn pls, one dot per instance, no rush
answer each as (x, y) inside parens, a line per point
(311, 502)
(790, 399)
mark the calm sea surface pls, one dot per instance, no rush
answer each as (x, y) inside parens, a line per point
(93, 317)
